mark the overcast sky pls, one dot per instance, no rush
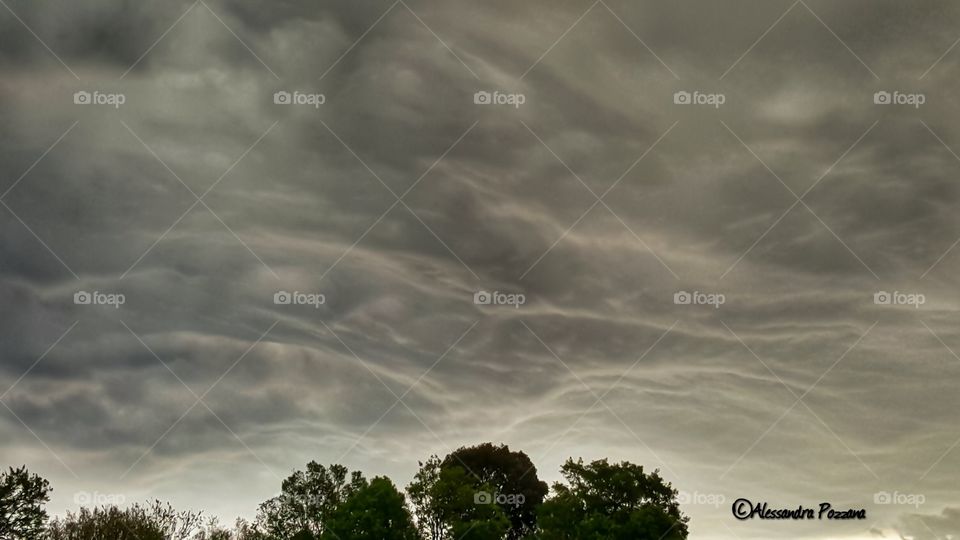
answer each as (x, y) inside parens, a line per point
(784, 187)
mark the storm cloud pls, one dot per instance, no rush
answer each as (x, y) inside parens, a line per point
(802, 198)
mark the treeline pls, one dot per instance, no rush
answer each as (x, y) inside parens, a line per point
(483, 492)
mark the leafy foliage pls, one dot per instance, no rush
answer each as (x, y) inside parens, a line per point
(307, 501)
(157, 521)
(506, 473)
(376, 511)
(611, 502)
(445, 504)
(464, 519)
(452, 499)
(22, 497)
(427, 509)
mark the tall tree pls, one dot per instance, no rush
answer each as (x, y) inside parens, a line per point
(22, 499)
(446, 505)
(376, 511)
(463, 517)
(512, 479)
(426, 507)
(603, 501)
(307, 500)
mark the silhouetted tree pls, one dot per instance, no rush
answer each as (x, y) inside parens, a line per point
(243, 530)
(484, 492)
(426, 507)
(22, 497)
(213, 531)
(463, 516)
(446, 506)
(157, 521)
(611, 502)
(105, 522)
(376, 511)
(510, 477)
(307, 500)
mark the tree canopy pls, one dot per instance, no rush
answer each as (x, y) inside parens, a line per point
(511, 482)
(376, 511)
(483, 492)
(22, 496)
(603, 501)
(156, 521)
(307, 501)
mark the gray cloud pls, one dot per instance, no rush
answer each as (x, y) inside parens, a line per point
(928, 526)
(297, 203)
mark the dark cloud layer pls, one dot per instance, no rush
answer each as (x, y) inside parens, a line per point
(694, 198)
